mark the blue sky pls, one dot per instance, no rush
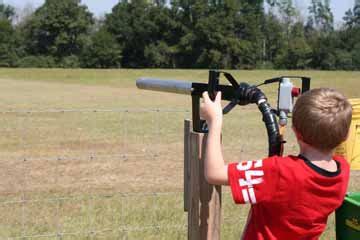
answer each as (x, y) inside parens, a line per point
(100, 7)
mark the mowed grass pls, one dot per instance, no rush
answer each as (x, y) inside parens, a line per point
(111, 168)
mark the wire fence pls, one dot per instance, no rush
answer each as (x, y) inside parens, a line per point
(105, 173)
(93, 174)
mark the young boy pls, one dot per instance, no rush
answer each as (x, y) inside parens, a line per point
(291, 196)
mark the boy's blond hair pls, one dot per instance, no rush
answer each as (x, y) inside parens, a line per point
(322, 117)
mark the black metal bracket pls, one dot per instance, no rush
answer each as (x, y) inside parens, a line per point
(305, 82)
(213, 86)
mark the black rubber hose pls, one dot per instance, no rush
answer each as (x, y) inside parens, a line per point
(274, 139)
(255, 95)
(250, 94)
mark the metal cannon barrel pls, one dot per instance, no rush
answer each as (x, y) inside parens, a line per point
(172, 86)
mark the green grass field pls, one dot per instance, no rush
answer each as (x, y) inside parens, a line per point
(116, 173)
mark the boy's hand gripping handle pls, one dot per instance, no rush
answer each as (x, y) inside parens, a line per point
(212, 91)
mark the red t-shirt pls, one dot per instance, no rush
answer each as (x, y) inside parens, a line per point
(291, 197)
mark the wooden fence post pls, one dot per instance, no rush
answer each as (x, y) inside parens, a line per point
(187, 129)
(202, 201)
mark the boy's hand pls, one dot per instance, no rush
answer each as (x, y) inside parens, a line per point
(212, 111)
(215, 168)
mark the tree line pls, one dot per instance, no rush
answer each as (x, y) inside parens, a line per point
(237, 34)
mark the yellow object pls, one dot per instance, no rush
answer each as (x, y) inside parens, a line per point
(350, 149)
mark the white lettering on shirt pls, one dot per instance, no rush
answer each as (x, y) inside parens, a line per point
(252, 177)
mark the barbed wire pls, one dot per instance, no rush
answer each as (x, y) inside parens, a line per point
(98, 110)
(24, 200)
(97, 232)
(125, 156)
(93, 196)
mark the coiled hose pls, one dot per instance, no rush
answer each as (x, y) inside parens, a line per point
(251, 94)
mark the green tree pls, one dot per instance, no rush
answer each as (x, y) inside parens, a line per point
(350, 37)
(103, 51)
(188, 13)
(325, 51)
(298, 53)
(221, 34)
(344, 59)
(288, 13)
(159, 54)
(165, 38)
(7, 12)
(320, 16)
(139, 26)
(216, 45)
(352, 16)
(58, 28)
(292, 49)
(355, 56)
(250, 30)
(349, 18)
(8, 54)
(357, 12)
(275, 39)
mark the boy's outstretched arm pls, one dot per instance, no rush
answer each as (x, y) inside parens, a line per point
(215, 168)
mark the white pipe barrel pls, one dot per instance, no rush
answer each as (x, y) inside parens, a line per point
(171, 86)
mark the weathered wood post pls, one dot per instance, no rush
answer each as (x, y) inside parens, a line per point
(202, 201)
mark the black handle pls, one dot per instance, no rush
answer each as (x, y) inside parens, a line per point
(305, 84)
(213, 83)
